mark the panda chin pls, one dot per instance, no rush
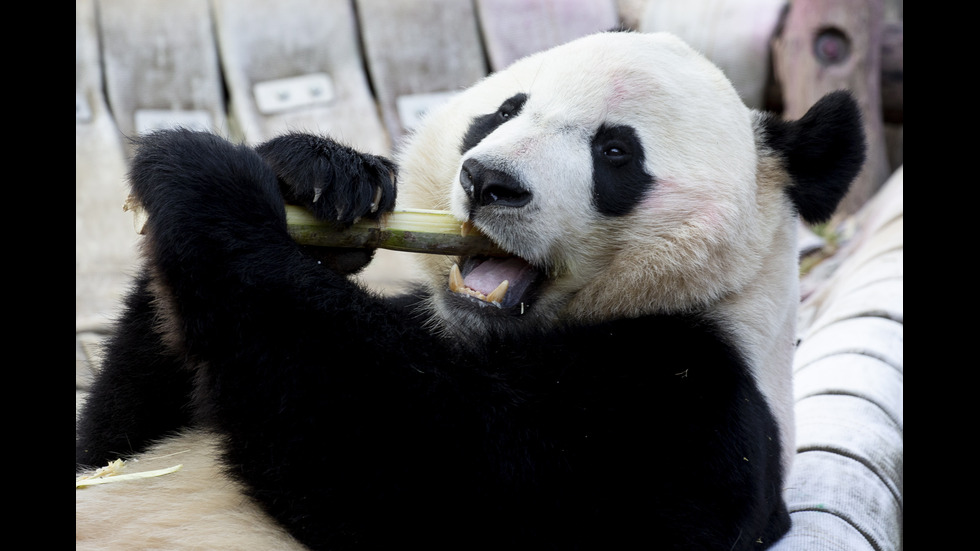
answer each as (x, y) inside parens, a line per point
(507, 283)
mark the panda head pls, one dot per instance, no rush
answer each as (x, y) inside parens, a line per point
(626, 177)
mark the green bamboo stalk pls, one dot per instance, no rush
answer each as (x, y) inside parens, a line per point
(409, 230)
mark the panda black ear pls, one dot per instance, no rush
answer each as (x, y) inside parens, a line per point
(823, 152)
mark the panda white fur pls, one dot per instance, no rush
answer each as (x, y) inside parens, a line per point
(632, 386)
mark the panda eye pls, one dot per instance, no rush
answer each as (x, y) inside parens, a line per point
(619, 174)
(616, 154)
(484, 125)
(507, 110)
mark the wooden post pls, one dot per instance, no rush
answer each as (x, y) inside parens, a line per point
(827, 45)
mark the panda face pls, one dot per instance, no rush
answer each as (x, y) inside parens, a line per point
(620, 172)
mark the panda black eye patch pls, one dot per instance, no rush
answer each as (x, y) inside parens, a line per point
(619, 178)
(484, 125)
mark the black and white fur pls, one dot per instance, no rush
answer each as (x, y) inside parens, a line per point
(632, 387)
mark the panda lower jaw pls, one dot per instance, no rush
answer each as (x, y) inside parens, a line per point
(505, 283)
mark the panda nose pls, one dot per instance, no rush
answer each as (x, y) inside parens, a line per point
(486, 186)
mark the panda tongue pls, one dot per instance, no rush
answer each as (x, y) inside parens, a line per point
(490, 273)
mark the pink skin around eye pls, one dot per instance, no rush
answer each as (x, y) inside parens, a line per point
(655, 200)
(665, 197)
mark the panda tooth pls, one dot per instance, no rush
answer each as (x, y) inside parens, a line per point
(317, 191)
(456, 279)
(498, 294)
(456, 285)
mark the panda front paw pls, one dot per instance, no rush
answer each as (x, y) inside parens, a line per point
(335, 182)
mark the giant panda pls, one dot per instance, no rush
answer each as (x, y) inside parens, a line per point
(631, 388)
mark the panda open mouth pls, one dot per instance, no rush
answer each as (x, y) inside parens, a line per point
(505, 282)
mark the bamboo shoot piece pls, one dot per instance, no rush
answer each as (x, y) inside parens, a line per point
(409, 230)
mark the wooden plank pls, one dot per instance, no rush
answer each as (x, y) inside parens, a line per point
(846, 490)
(734, 35)
(513, 29)
(822, 531)
(161, 66)
(886, 206)
(888, 263)
(874, 252)
(876, 337)
(854, 375)
(105, 244)
(878, 257)
(893, 72)
(883, 299)
(885, 239)
(836, 486)
(855, 428)
(295, 65)
(419, 52)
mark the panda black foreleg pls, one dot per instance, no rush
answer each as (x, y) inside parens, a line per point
(216, 235)
(142, 391)
(299, 369)
(218, 242)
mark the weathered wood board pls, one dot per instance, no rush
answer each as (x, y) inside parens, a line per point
(513, 29)
(105, 245)
(295, 65)
(733, 34)
(161, 65)
(419, 53)
(846, 489)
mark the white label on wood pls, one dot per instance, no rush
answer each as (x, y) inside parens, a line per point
(148, 120)
(413, 107)
(284, 94)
